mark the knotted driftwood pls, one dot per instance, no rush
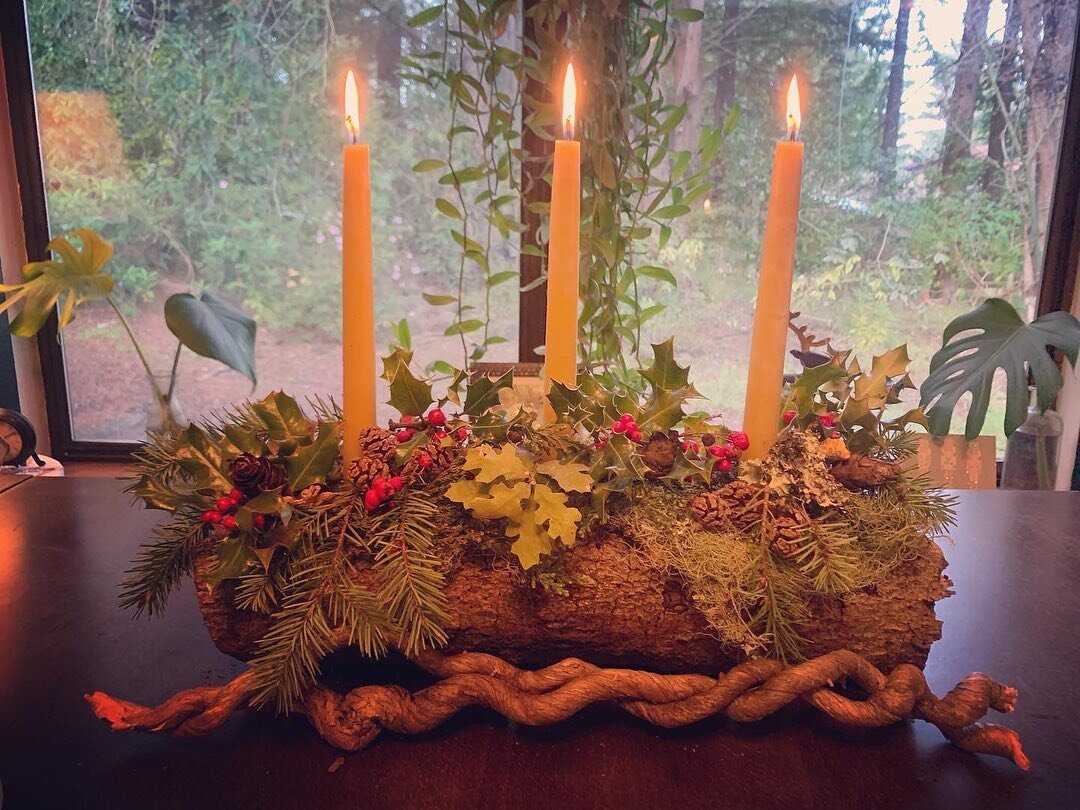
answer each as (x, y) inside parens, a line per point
(746, 693)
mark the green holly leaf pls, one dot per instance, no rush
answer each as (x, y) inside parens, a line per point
(244, 440)
(409, 395)
(873, 387)
(310, 464)
(201, 458)
(976, 345)
(694, 469)
(670, 389)
(231, 558)
(491, 464)
(457, 378)
(811, 381)
(570, 477)
(284, 420)
(155, 494)
(665, 374)
(482, 394)
(71, 277)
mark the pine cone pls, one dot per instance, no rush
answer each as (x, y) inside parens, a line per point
(378, 443)
(253, 474)
(443, 457)
(365, 469)
(314, 495)
(660, 453)
(790, 528)
(725, 506)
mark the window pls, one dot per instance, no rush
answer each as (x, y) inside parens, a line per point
(203, 140)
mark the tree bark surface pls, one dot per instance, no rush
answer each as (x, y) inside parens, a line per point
(624, 613)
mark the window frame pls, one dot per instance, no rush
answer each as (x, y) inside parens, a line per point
(1057, 287)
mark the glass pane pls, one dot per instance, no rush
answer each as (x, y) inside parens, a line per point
(912, 213)
(204, 141)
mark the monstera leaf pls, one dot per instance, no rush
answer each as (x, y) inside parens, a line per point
(998, 338)
(71, 277)
(214, 328)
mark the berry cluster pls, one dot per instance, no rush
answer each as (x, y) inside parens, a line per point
(435, 419)
(382, 490)
(827, 421)
(628, 426)
(223, 513)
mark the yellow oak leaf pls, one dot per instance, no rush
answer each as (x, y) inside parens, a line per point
(569, 477)
(531, 539)
(491, 464)
(551, 509)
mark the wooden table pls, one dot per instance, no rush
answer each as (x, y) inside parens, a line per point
(66, 542)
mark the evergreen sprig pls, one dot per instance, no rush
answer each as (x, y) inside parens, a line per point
(160, 566)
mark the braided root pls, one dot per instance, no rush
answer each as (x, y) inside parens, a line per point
(747, 693)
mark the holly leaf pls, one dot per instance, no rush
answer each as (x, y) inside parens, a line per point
(570, 477)
(283, 418)
(976, 345)
(70, 278)
(482, 394)
(686, 467)
(670, 389)
(409, 395)
(155, 494)
(665, 374)
(244, 440)
(311, 463)
(873, 387)
(490, 464)
(201, 458)
(811, 381)
(231, 558)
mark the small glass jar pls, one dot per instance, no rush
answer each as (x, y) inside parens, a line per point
(1031, 453)
(164, 415)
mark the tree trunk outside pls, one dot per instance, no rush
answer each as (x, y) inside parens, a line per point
(686, 64)
(961, 108)
(1004, 97)
(894, 94)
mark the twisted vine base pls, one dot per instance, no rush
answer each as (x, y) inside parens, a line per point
(747, 693)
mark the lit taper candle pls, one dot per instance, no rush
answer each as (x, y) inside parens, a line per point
(357, 294)
(765, 380)
(560, 342)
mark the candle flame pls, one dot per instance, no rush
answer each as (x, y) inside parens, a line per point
(569, 103)
(352, 105)
(794, 109)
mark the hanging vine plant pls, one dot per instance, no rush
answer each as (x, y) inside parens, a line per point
(634, 184)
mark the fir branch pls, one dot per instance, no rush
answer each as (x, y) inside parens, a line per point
(160, 566)
(261, 591)
(411, 582)
(781, 609)
(826, 556)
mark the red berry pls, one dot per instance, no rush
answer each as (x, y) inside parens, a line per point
(407, 418)
(685, 445)
(396, 483)
(372, 500)
(600, 444)
(236, 494)
(379, 485)
(258, 521)
(739, 439)
(731, 451)
(425, 460)
(225, 504)
(716, 451)
(626, 419)
(724, 465)
(436, 417)
(229, 522)
(216, 517)
(403, 436)
(461, 434)
(789, 417)
(441, 434)
(618, 427)
(634, 435)
(827, 420)
(208, 516)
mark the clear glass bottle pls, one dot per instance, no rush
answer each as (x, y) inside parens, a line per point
(1031, 453)
(164, 415)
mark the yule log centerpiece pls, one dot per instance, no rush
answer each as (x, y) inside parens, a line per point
(472, 538)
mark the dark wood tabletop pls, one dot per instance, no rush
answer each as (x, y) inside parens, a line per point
(64, 544)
